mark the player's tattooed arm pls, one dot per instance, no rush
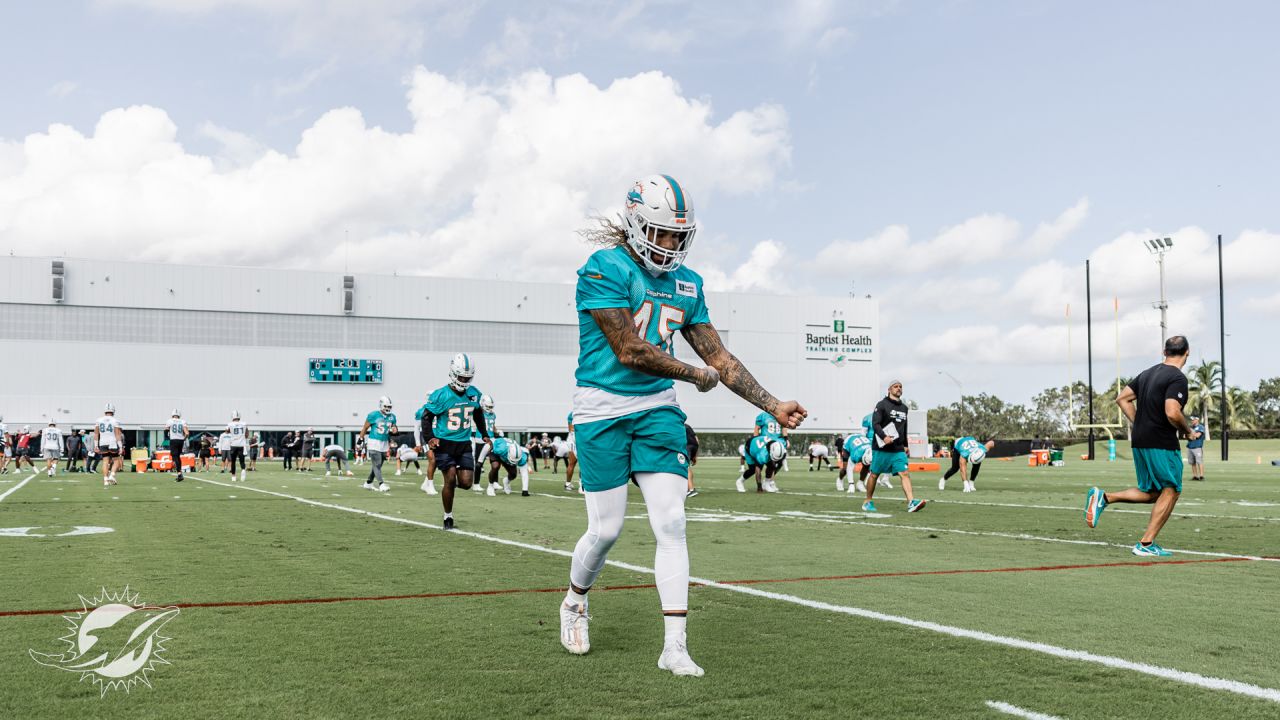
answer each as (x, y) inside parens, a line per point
(705, 340)
(619, 328)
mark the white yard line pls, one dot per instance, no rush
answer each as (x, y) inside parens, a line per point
(1016, 711)
(17, 487)
(1188, 678)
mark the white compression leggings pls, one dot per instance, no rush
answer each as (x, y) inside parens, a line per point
(664, 495)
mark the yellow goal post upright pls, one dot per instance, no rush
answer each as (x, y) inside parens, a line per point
(1107, 427)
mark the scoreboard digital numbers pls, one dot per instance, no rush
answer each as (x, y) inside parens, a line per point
(345, 370)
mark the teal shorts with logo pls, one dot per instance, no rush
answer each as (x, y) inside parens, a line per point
(888, 463)
(610, 451)
(1158, 469)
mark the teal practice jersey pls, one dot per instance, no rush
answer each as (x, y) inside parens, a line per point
(453, 412)
(490, 423)
(505, 450)
(380, 425)
(966, 445)
(857, 445)
(758, 449)
(659, 307)
(767, 424)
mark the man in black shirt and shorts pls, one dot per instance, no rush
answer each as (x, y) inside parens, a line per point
(1153, 402)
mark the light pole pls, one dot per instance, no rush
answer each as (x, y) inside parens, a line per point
(953, 379)
(1158, 247)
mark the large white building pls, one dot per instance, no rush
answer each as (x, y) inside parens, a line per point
(75, 334)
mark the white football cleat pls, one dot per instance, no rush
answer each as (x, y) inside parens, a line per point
(476, 487)
(383, 488)
(839, 485)
(397, 473)
(770, 486)
(367, 485)
(573, 628)
(242, 472)
(942, 484)
(428, 487)
(327, 473)
(862, 487)
(741, 488)
(675, 658)
(581, 490)
(884, 482)
(506, 487)
(489, 491)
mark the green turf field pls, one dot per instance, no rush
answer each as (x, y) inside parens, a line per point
(1003, 596)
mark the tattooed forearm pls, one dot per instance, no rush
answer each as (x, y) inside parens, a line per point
(620, 330)
(705, 340)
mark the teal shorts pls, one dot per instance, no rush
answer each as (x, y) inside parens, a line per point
(1158, 469)
(888, 463)
(610, 451)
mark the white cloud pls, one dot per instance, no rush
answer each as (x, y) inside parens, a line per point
(1047, 235)
(306, 80)
(1264, 305)
(490, 180)
(763, 270)
(62, 88)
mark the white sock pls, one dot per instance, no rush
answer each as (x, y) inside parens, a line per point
(673, 626)
(448, 515)
(575, 598)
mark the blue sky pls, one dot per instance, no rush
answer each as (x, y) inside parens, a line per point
(956, 160)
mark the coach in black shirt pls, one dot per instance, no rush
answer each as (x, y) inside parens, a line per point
(1153, 402)
(889, 447)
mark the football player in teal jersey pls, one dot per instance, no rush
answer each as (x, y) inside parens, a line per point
(379, 427)
(632, 297)
(477, 442)
(856, 451)
(764, 454)
(507, 454)
(446, 423)
(967, 454)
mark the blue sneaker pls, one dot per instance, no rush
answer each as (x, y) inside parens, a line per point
(868, 506)
(916, 505)
(1095, 501)
(1152, 550)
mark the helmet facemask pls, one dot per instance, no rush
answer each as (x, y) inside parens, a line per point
(656, 203)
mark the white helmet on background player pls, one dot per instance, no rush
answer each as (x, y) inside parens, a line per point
(513, 453)
(235, 414)
(777, 451)
(658, 202)
(109, 408)
(176, 413)
(26, 428)
(384, 404)
(461, 371)
(486, 403)
(977, 455)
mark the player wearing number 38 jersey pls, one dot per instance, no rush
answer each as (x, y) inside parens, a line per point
(632, 298)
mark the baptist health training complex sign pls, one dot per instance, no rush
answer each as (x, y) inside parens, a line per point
(838, 343)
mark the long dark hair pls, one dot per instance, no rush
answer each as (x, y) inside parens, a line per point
(606, 233)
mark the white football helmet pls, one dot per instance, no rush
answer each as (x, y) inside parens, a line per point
(486, 403)
(235, 414)
(109, 408)
(866, 456)
(26, 428)
(777, 451)
(176, 413)
(658, 201)
(384, 404)
(461, 371)
(978, 455)
(513, 453)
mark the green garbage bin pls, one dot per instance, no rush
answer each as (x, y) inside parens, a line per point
(1055, 457)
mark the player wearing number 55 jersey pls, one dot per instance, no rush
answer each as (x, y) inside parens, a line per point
(632, 297)
(447, 419)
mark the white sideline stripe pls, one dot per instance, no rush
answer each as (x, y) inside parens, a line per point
(1189, 678)
(1038, 507)
(1008, 709)
(15, 488)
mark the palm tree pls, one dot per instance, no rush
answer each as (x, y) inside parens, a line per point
(1206, 383)
(1242, 409)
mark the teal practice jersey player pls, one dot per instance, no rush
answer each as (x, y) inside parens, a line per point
(632, 297)
(767, 424)
(445, 426)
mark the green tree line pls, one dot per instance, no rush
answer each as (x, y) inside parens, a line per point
(1055, 411)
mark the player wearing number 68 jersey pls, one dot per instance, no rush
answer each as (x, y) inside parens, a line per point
(446, 423)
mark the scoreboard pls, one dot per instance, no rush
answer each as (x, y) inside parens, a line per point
(344, 370)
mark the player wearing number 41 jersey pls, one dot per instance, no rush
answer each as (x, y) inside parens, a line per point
(632, 297)
(447, 420)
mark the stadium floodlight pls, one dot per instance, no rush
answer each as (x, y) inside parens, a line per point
(1158, 247)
